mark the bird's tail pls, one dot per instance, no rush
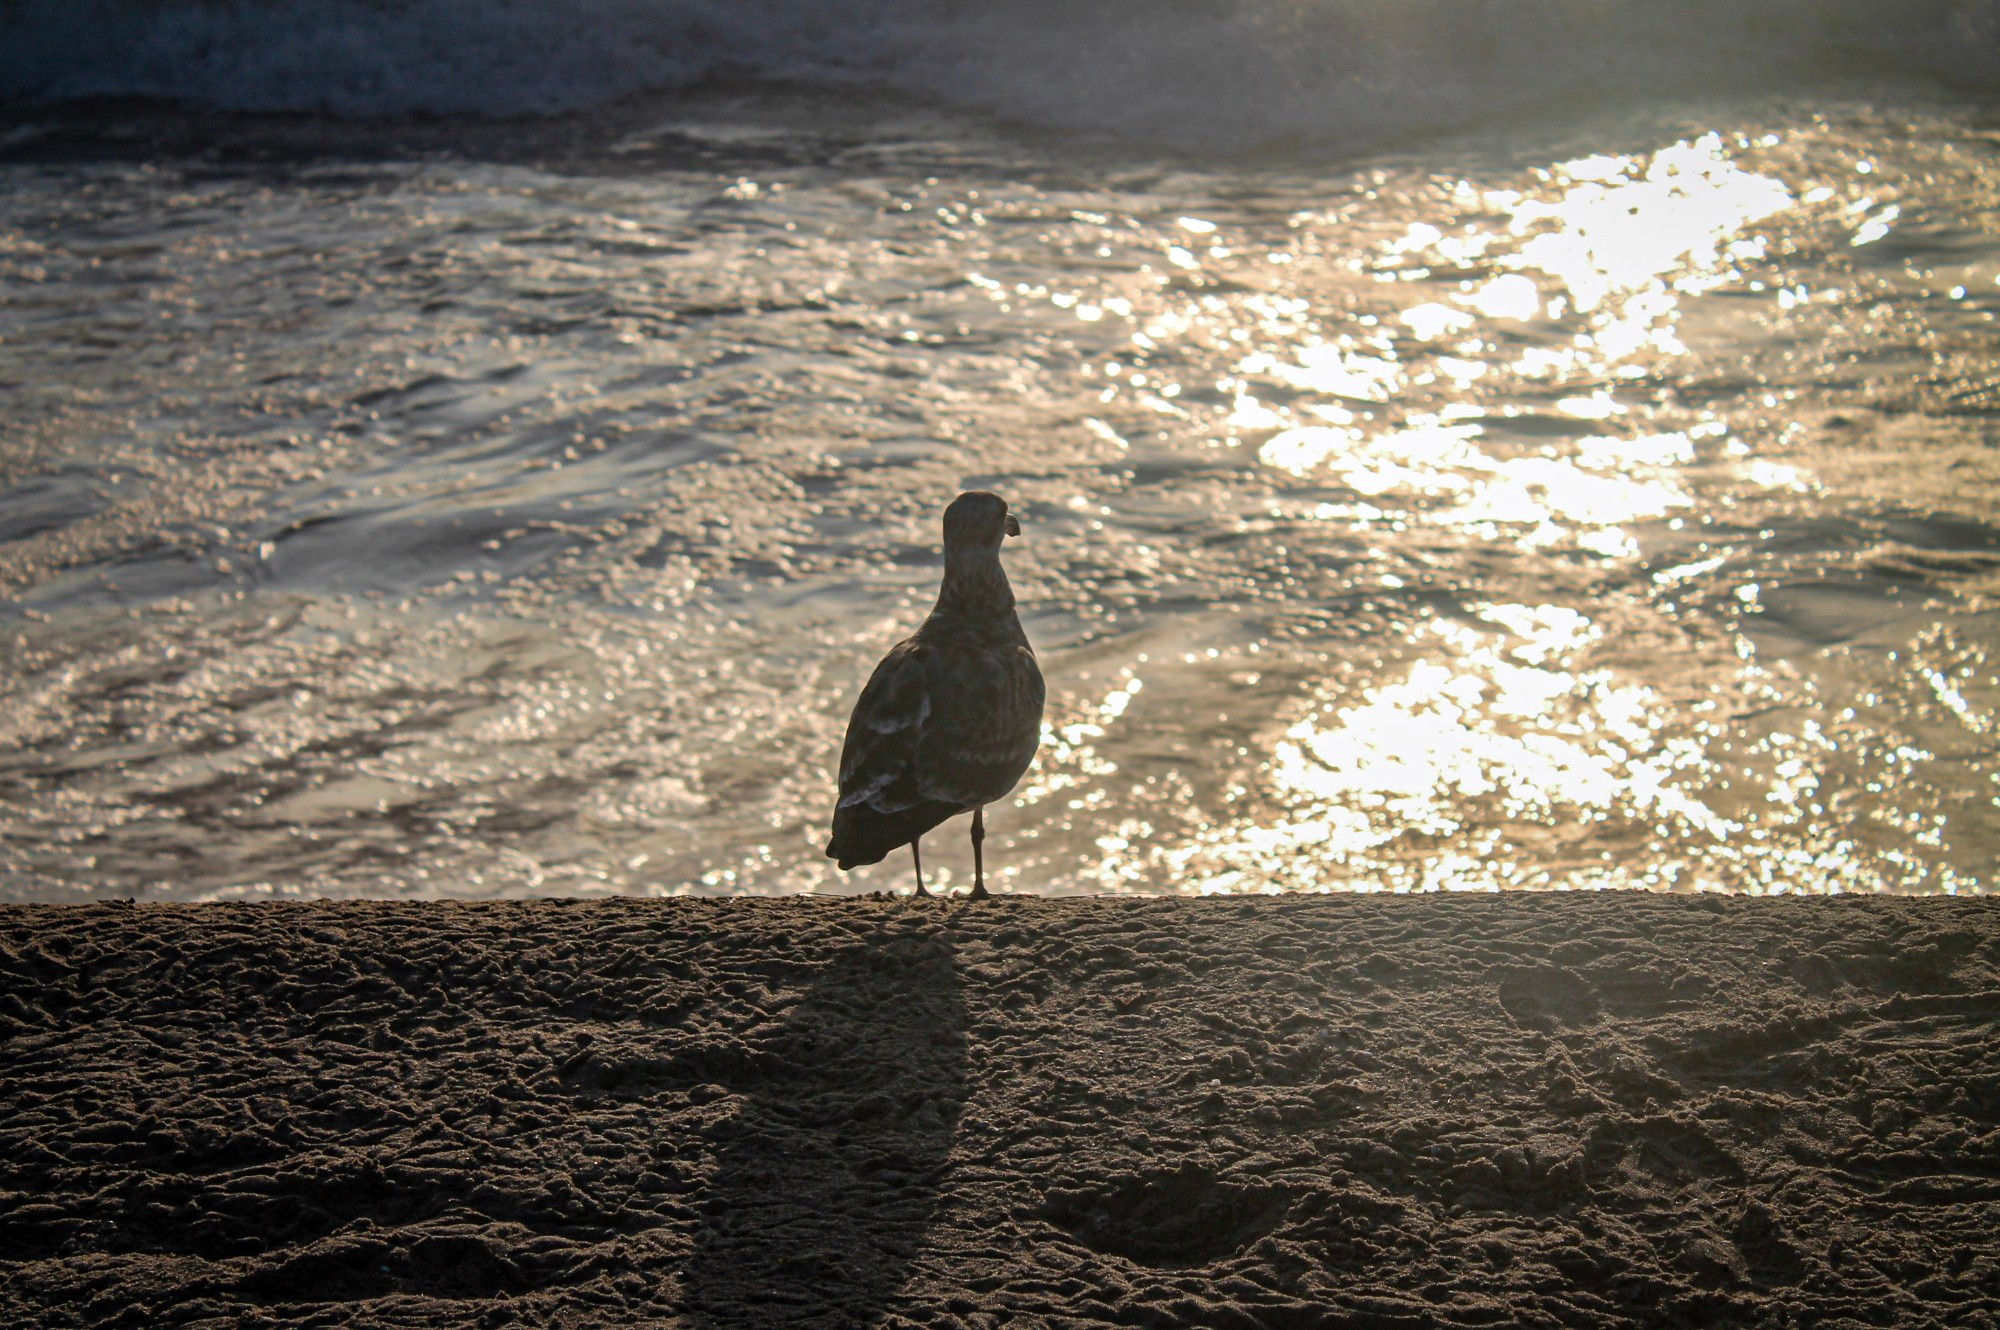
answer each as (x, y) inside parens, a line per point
(861, 835)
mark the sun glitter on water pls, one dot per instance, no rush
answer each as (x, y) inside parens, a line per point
(1492, 514)
(1498, 755)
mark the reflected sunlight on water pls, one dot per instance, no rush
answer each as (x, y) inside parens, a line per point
(1495, 757)
(1488, 732)
(1473, 519)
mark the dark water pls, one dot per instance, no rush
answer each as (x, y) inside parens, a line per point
(485, 506)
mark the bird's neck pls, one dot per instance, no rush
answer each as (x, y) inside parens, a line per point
(975, 585)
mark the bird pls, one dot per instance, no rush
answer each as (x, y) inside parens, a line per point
(951, 719)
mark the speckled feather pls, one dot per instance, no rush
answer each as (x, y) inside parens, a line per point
(951, 718)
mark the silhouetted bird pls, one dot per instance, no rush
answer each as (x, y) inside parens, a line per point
(951, 718)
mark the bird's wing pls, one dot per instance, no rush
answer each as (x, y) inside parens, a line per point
(885, 731)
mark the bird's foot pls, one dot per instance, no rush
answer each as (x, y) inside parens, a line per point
(979, 892)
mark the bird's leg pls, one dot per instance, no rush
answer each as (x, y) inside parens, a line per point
(979, 891)
(919, 860)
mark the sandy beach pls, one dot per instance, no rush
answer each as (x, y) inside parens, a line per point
(1549, 1110)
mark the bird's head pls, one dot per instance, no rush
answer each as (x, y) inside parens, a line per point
(978, 518)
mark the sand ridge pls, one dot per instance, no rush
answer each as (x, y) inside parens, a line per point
(1584, 1110)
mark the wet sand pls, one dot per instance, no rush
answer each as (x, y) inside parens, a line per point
(1583, 1110)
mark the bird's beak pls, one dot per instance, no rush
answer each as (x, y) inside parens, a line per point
(1013, 525)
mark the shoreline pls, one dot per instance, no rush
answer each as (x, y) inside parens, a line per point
(1605, 1109)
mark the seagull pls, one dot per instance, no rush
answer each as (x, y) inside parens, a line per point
(951, 718)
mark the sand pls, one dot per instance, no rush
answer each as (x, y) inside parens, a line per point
(1550, 1110)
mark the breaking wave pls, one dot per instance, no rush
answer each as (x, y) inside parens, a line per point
(1212, 72)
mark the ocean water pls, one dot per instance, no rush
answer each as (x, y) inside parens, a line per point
(456, 449)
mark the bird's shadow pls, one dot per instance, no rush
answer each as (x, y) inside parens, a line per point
(831, 1172)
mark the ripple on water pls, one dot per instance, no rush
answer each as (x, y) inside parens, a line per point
(1484, 517)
